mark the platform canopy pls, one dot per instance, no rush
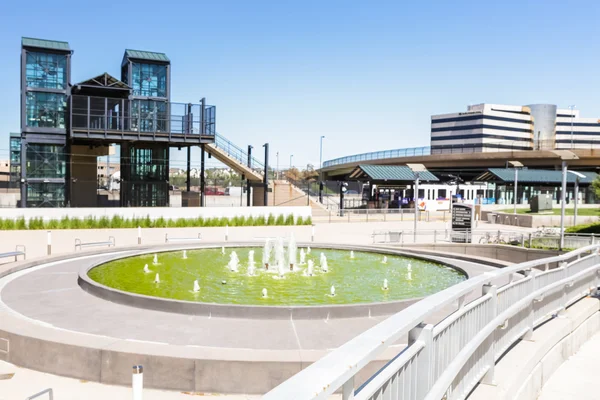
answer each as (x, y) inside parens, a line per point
(538, 176)
(389, 174)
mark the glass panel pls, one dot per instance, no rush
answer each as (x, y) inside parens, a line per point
(15, 161)
(46, 110)
(45, 70)
(46, 161)
(45, 194)
(149, 80)
(149, 116)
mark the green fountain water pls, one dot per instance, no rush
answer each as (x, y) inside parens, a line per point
(355, 280)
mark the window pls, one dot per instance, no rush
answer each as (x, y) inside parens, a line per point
(46, 161)
(46, 110)
(441, 194)
(45, 194)
(149, 80)
(46, 70)
(149, 116)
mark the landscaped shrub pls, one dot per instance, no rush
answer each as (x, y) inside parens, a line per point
(20, 223)
(36, 223)
(587, 228)
(117, 222)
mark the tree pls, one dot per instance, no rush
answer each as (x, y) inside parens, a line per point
(596, 186)
(293, 174)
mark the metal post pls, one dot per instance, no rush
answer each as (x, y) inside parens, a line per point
(248, 188)
(488, 378)
(348, 390)
(137, 382)
(416, 206)
(562, 204)
(320, 170)
(572, 107)
(189, 164)
(226, 233)
(312, 231)
(139, 235)
(266, 178)
(424, 333)
(576, 200)
(515, 190)
(49, 242)
(202, 175)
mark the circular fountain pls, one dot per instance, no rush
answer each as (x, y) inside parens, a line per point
(328, 281)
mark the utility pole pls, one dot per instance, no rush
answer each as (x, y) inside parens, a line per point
(248, 187)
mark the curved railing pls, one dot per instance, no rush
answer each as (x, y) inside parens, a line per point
(448, 359)
(379, 155)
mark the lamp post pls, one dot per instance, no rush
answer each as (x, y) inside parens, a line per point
(417, 169)
(277, 168)
(571, 107)
(564, 155)
(321, 172)
(291, 156)
(516, 165)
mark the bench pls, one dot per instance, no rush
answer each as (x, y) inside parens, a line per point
(182, 239)
(387, 236)
(110, 243)
(19, 251)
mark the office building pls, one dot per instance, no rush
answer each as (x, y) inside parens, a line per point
(493, 127)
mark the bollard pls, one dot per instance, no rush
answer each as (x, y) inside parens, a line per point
(139, 235)
(49, 242)
(312, 234)
(434, 236)
(226, 233)
(529, 240)
(137, 382)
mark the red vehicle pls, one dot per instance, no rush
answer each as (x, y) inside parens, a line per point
(214, 191)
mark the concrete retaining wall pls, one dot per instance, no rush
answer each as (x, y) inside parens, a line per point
(154, 212)
(511, 254)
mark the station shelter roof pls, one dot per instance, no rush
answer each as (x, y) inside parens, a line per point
(539, 176)
(45, 44)
(389, 173)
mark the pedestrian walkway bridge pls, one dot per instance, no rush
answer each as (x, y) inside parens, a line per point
(502, 345)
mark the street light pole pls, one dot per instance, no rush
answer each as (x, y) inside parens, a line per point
(277, 173)
(416, 206)
(563, 191)
(291, 156)
(515, 190)
(321, 172)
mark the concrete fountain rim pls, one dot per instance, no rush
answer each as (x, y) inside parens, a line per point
(252, 311)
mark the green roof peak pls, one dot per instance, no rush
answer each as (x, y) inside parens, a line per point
(45, 44)
(146, 55)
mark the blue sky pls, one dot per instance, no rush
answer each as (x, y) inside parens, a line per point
(367, 75)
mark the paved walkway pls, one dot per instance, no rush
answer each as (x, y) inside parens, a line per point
(26, 382)
(577, 378)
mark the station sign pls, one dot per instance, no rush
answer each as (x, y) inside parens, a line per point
(462, 223)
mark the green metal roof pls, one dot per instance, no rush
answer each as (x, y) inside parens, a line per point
(45, 44)
(390, 173)
(533, 176)
(146, 55)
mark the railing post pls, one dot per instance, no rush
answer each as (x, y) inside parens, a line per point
(563, 300)
(424, 334)
(530, 317)
(348, 389)
(488, 378)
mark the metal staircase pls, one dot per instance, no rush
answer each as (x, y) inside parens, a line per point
(234, 157)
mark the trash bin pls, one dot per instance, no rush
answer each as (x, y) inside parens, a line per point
(395, 237)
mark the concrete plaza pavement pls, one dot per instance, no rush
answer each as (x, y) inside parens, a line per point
(577, 378)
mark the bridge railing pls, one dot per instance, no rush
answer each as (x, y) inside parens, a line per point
(237, 153)
(448, 359)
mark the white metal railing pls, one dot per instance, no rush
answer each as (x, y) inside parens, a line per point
(448, 359)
